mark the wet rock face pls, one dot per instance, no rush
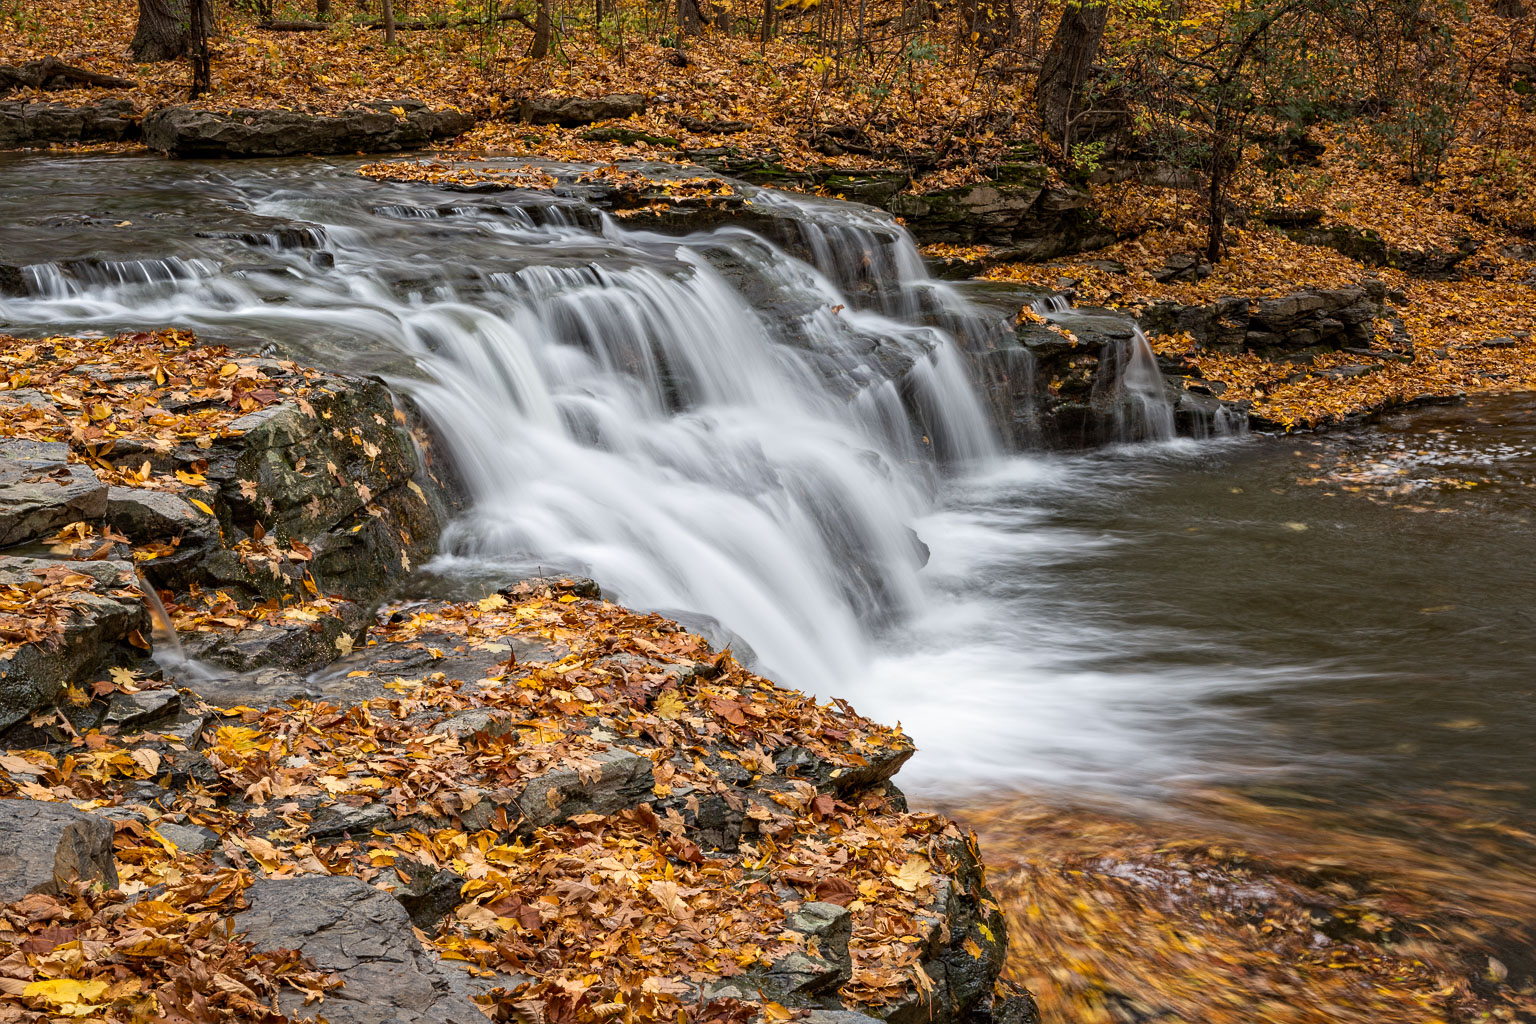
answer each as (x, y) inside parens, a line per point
(370, 128)
(321, 469)
(1329, 318)
(25, 124)
(93, 617)
(347, 926)
(41, 492)
(45, 846)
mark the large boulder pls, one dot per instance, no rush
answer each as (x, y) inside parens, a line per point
(27, 123)
(363, 935)
(379, 126)
(44, 847)
(578, 110)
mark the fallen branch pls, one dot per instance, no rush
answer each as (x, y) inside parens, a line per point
(436, 24)
(293, 26)
(52, 73)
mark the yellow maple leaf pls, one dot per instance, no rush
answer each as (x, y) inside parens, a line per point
(913, 875)
(669, 705)
(68, 995)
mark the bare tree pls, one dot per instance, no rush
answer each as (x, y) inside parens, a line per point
(197, 47)
(389, 22)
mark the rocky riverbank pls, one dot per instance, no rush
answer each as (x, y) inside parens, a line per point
(537, 805)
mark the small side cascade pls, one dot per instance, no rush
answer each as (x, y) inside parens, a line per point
(1229, 422)
(1151, 413)
(1051, 305)
(77, 277)
(169, 653)
(1129, 391)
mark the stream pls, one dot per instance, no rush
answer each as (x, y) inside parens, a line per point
(713, 427)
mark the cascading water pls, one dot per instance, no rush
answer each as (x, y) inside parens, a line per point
(704, 424)
(1143, 384)
(1146, 414)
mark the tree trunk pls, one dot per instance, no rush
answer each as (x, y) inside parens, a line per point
(767, 26)
(1217, 229)
(1226, 150)
(689, 21)
(543, 31)
(197, 38)
(389, 22)
(322, 10)
(1059, 93)
(162, 33)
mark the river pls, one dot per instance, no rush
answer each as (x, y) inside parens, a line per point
(710, 426)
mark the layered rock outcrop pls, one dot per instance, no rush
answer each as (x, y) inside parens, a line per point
(379, 126)
(268, 504)
(33, 123)
(1307, 319)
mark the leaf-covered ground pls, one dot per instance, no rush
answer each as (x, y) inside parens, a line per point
(592, 910)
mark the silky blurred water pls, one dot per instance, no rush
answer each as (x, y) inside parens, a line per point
(711, 425)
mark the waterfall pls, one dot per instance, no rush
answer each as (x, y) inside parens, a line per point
(703, 423)
(1152, 413)
(1137, 390)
